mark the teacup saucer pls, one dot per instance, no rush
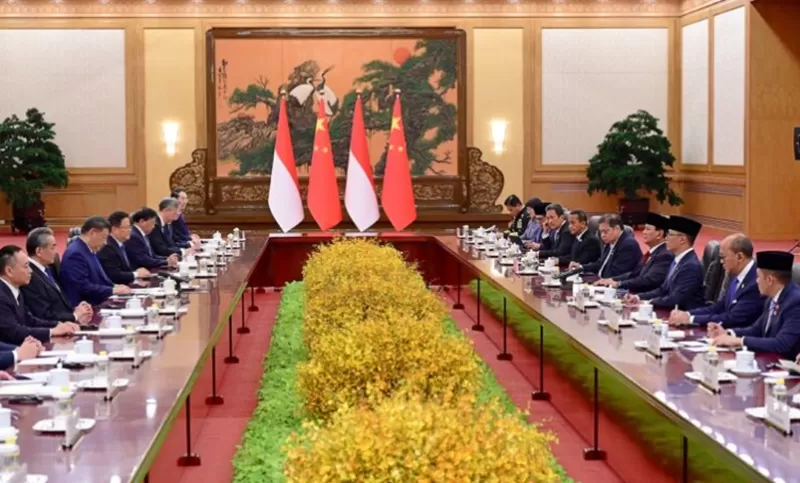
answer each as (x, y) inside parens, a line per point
(731, 366)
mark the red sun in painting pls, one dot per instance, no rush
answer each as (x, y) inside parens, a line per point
(401, 55)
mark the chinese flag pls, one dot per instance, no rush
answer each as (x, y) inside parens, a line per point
(323, 191)
(398, 194)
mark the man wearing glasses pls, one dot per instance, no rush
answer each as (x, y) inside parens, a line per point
(683, 287)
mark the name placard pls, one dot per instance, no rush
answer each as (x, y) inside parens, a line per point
(778, 413)
(709, 373)
(654, 341)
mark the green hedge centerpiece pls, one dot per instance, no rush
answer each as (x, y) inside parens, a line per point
(29, 162)
(632, 161)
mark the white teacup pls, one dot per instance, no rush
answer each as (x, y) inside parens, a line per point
(114, 321)
(58, 377)
(84, 346)
(183, 268)
(134, 303)
(645, 310)
(609, 294)
(5, 418)
(745, 359)
(576, 289)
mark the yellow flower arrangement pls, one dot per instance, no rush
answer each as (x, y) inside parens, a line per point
(351, 280)
(366, 362)
(410, 440)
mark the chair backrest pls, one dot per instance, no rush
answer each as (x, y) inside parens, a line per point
(796, 273)
(712, 270)
(56, 267)
(74, 233)
(594, 224)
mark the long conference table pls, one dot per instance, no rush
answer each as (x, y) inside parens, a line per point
(131, 428)
(707, 428)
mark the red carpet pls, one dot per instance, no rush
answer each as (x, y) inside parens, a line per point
(216, 438)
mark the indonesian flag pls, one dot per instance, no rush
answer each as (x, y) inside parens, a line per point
(285, 201)
(359, 194)
(398, 193)
(323, 191)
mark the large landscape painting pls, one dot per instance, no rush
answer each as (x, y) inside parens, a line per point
(252, 70)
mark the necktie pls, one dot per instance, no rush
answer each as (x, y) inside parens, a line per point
(603, 266)
(49, 274)
(147, 244)
(646, 257)
(124, 256)
(732, 288)
(769, 317)
(672, 269)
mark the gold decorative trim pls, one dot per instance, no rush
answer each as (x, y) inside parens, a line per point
(345, 8)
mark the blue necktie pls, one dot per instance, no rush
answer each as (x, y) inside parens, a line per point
(49, 274)
(769, 317)
(672, 269)
(732, 288)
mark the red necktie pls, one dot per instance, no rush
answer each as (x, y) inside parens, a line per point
(646, 256)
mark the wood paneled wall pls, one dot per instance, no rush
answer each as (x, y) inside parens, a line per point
(773, 189)
(715, 195)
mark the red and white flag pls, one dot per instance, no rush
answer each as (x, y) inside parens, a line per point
(359, 194)
(285, 201)
(397, 195)
(323, 190)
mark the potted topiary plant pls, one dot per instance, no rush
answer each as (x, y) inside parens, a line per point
(632, 161)
(29, 162)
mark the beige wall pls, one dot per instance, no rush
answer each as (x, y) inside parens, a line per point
(497, 93)
(774, 105)
(170, 96)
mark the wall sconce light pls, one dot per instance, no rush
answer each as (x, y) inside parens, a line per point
(170, 130)
(499, 127)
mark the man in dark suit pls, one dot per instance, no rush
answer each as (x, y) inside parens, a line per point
(82, 276)
(183, 237)
(559, 243)
(683, 287)
(16, 321)
(586, 247)
(46, 299)
(777, 330)
(742, 302)
(113, 256)
(138, 248)
(161, 237)
(11, 355)
(652, 271)
(621, 253)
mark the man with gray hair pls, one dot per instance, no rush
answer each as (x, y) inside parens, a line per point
(161, 238)
(44, 295)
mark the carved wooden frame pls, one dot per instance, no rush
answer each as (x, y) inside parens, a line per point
(440, 193)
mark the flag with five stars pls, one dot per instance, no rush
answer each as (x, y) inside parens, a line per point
(397, 195)
(323, 191)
